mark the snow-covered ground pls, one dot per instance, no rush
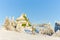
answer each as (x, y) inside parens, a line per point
(12, 35)
(57, 34)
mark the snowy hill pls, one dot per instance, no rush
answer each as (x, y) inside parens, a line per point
(12, 35)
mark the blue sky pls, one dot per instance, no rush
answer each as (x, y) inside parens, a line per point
(38, 11)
